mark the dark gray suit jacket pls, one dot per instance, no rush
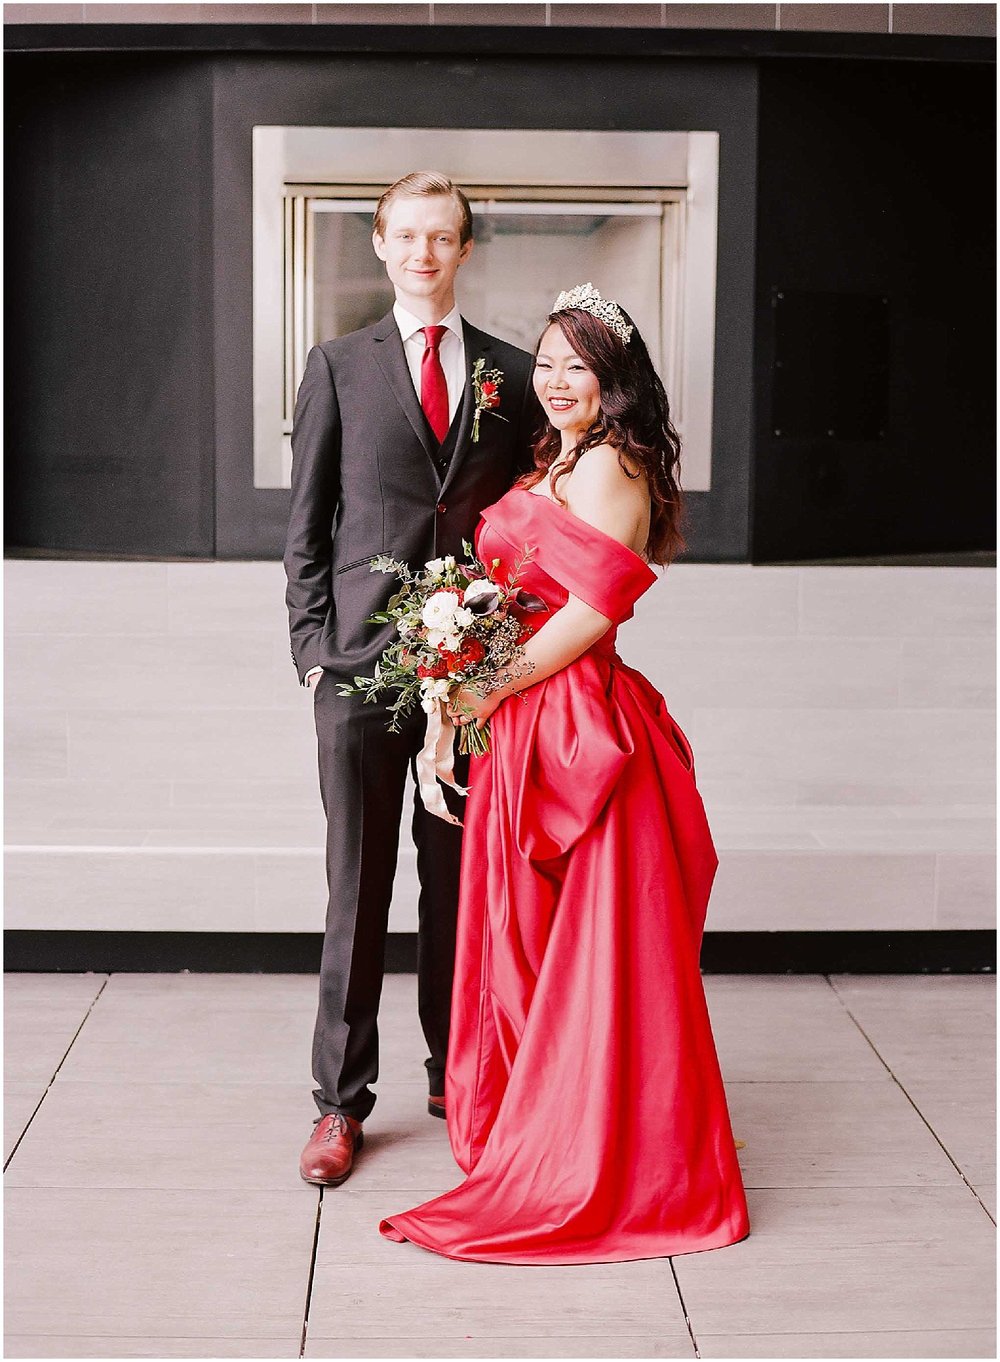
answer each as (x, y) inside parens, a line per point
(365, 480)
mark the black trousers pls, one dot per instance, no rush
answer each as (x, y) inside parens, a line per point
(363, 773)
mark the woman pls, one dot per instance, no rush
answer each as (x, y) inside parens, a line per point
(583, 1090)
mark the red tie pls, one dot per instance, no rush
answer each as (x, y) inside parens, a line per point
(433, 388)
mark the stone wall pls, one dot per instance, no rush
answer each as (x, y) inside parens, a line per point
(161, 769)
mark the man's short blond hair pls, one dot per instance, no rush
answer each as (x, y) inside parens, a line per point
(423, 184)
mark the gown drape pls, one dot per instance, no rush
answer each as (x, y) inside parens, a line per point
(584, 1097)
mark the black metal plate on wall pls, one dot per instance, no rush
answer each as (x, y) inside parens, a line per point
(110, 442)
(852, 208)
(831, 366)
(132, 248)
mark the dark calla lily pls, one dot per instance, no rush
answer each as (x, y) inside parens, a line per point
(482, 597)
(484, 605)
(524, 600)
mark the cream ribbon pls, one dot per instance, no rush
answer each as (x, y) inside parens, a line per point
(436, 761)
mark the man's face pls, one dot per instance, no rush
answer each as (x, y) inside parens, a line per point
(422, 249)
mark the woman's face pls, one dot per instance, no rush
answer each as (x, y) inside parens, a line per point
(568, 391)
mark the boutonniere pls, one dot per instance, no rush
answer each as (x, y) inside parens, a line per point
(486, 391)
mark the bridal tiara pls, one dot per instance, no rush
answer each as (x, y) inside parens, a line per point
(587, 299)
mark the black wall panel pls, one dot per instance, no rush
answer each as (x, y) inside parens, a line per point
(129, 293)
(130, 306)
(876, 181)
(109, 446)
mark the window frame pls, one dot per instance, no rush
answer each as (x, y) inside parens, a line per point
(666, 168)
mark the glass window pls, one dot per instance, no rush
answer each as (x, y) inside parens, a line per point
(634, 212)
(525, 251)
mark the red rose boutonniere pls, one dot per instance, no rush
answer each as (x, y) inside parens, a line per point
(486, 392)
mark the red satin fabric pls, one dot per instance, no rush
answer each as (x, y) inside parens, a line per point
(584, 1096)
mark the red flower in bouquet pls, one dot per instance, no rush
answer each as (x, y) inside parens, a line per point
(457, 627)
(472, 651)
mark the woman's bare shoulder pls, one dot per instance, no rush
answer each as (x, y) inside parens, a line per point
(601, 492)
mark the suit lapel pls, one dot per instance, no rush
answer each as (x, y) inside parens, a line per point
(392, 361)
(477, 346)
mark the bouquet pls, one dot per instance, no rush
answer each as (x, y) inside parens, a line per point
(457, 628)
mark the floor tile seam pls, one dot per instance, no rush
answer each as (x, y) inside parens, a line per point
(540, 1334)
(345, 1264)
(179, 1188)
(172, 1189)
(940, 1253)
(822, 1187)
(313, 1255)
(684, 1310)
(24, 1131)
(432, 1190)
(143, 849)
(903, 1253)
(848, 1333)
(93, 1003)
(146, 1337)
(805, 1082)
(906, 1094)
(125, 1083)
(812, 1082)
(48, 976)
(288, 1339)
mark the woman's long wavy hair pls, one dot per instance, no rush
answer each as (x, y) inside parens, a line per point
(634, 419)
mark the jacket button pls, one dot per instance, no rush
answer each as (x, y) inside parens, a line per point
(441, 508)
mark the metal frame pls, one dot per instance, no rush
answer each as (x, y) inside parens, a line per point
(652, 168)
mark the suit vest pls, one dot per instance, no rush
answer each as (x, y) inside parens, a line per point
(442, 456)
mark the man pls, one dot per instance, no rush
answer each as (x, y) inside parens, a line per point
(384, 461)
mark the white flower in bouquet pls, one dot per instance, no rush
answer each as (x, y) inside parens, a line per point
(439, 610)
(443, 638)
(447, 636)
(431, 692)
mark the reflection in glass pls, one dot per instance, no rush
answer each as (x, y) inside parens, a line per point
(635, 213)
(525, 253)
(350, 288)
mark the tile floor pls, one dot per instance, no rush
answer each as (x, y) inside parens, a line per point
(153, 1124)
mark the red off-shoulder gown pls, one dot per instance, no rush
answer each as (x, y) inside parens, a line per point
(584, 1096)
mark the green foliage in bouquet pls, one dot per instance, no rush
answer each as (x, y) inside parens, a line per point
(455, 627)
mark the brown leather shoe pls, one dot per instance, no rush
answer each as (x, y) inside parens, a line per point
(328, 1158)
(435, 1105)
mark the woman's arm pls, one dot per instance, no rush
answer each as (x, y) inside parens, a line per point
(606, 498)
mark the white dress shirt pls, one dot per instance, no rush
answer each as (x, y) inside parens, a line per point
(452, 354)
(451, 350)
